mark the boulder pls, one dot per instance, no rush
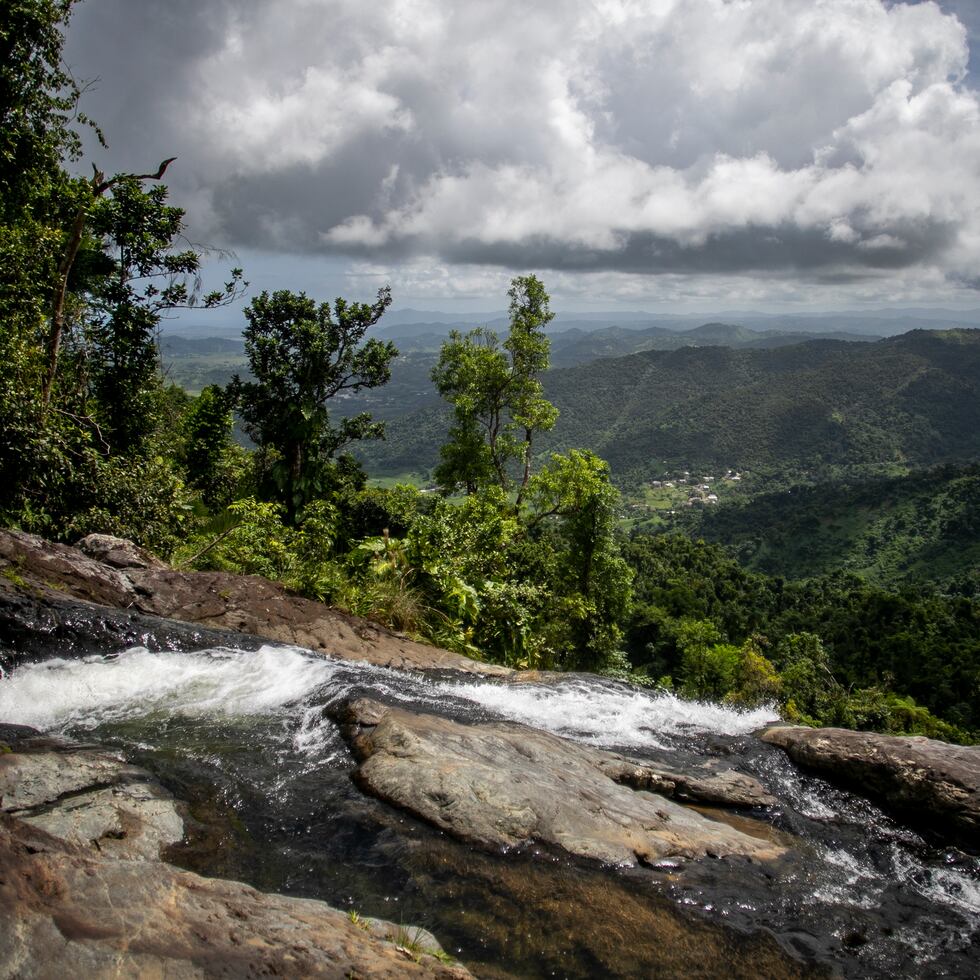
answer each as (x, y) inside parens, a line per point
(933, 784)
(117, 552)
(503, 784)
(84, 892)
(717, 787)
(68, 912)
(87, 797)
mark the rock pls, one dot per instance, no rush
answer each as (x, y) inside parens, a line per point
(84, 892)
(723, 787)
(39, 627)
(30, 563)
(38, 576)
(117, 552)
(88, 797)
(933, 784)
(503, 784)
(70, 913)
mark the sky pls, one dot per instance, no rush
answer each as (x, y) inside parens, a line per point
(665, 155)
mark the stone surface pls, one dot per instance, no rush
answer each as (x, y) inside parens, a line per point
(502, 784)
(117, 552)
(69, 913)
(934, 784)
(84, 892)
(88, 797)
(721, 787)
(43, 575)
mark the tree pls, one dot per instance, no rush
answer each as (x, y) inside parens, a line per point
(301, 355)
(209, 454)
(497, 398)
(572, 522)
(38, 101)
(133, 272)
(87, 267)
(38, 108)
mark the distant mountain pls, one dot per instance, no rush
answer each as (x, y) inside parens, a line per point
(811, 408)
(577, 347)
(409, 316)
(173, 346)
(414, 323)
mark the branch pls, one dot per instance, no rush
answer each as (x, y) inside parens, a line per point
(91, 421)
(99, 186)
(205, 550)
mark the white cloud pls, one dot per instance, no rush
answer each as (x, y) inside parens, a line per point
(646, 136)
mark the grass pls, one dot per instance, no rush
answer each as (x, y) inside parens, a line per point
(417, 478)
(406, 939)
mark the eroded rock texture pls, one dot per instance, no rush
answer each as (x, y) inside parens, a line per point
(502, 784)
(84, 894)
(934, 784)
(69, 913)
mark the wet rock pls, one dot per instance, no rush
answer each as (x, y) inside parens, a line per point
(70, 913)
(35, 628)
(88, 797)
(38, 577)
(117, 552)
(720, 787)
(502, 784)
(933, 784)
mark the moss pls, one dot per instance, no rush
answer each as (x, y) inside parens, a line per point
(15, 578)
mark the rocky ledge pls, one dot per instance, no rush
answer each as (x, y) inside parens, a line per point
(502, 784)
(933, 785)
(84, 892)
(55, 584)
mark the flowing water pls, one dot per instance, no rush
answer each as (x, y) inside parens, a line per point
(245, 739)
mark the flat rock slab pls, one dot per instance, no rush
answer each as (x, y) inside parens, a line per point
(502, 784)
(89, 798)
(932, 783)
(69, 913)
(123, 577)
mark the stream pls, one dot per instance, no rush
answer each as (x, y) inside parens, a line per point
(244, 738)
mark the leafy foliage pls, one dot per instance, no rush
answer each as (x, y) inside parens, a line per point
(497, 397)
(918, 528)
(301, 355)
(831, 639)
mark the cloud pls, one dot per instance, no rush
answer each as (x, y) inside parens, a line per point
(833, 140)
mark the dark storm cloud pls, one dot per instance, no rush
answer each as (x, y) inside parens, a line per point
(778, 250)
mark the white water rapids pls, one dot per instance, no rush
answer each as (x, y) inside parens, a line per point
(60, 694)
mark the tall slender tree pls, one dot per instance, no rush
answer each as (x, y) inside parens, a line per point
(496, 394)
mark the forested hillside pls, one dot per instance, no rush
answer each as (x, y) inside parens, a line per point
(920, 528)
(843, 647)
(808, 409)
(195, 362)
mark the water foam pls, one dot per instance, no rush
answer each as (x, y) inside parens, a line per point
(607, 714)
(57, 694)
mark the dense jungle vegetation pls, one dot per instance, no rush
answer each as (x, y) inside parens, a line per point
(518, 556)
